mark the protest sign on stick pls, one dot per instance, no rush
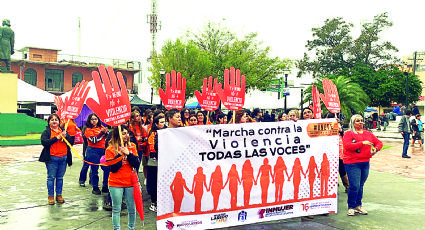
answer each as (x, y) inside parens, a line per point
(71, 107)
(317, 110)
(113, 107)
(175, 93)
(331, 97)
(233, 93)
(209, 99)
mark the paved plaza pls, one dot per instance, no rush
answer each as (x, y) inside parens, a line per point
(394, 196)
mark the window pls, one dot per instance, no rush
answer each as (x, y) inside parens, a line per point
(76, 77)
(125, 80)
(30, 76)
(54, 80)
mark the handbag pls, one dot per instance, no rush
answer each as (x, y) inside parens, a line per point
(78, 138)
(153, 160)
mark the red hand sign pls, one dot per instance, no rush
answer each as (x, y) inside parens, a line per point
(114, 104)
(175, 93)
(209, 99)
(331, 97)
(60, 106)
(74, 103)
(317, 110)
(233, 93)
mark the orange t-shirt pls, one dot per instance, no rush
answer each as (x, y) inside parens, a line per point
(72, 128)
(122, 178)
(151, 143)
(91, 132)
(58, 149)
(139, 133)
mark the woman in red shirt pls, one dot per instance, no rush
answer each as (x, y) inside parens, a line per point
(56, 155)
(96, 135)
(359, 146)
(141, 133)
(119, 182)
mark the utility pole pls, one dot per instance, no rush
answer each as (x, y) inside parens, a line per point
(155, 25)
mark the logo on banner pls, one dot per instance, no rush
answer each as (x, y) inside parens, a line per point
(321, 205)
(219, 218)
(169, 225)
(322, 129)
(275, 211)
(242, 216)
(188, 224)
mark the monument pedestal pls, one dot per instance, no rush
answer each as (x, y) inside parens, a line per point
(8, 92)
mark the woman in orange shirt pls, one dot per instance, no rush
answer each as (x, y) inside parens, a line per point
(141, 133)
(56, 155)
(96, 135)
(120, 183)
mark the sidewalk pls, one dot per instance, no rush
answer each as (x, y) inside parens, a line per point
(394, 196)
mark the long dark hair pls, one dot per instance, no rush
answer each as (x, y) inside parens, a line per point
(116, 140)
(88, 123)
(205, 117)
(155, 123)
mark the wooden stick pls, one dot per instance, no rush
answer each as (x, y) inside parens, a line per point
(234, 116)
(208, 117)
(119, 131)
(66, 125)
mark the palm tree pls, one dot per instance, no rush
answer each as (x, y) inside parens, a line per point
(352, 97)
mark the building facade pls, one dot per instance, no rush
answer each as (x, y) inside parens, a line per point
(55, 73)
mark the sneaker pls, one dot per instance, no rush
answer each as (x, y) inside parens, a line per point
(82, 184)
(153, 207)
(96, 191)
(412, 145)
(406, 156)
(144, 182)
(105, 190)
(351, 212)
(360, 210)
(60, 199)
(107, 206)
(51, 200)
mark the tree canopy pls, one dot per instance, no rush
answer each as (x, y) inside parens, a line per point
(209, 51)
(367, 60)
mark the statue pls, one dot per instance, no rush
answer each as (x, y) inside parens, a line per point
(7, 41)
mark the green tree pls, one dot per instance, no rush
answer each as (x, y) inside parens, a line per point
(217, 48)
(334, 51)
(185, 57)
(352, 98)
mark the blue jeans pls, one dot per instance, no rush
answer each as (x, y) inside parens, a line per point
(56, 168)
(83, 173)
(357, 175)
(116, 195)
(405, 143)
(94, 155)
(152, 181)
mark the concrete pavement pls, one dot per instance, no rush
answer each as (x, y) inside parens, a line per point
(394, 196)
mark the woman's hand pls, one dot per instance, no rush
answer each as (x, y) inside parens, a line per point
(124, 150)
(367, 143)
(373, 151)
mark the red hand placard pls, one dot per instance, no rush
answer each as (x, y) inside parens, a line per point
(331, 97)
(317, 110)
(175, 93)
(233, 93)
(74, 103)
(208, 100)
(114, 104)
(60, 106)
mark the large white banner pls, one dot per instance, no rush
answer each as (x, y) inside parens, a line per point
(216, 176)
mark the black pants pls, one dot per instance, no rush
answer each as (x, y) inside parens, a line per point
(152, 181)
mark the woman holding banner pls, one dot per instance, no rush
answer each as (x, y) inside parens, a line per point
(240, 117)
(96, 137)
(222, 119)
(56, 155)
(185, 113)
(359, 146)
(120, 183)
(152, 164)
(193, 120)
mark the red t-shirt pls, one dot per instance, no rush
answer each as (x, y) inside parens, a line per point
(122, 178)
(91, 132)
(58, 149)
(354, 150)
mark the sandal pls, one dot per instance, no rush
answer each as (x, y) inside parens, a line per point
(351, 212)
(360, 210)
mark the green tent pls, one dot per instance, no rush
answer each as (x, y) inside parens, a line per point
(136, 101)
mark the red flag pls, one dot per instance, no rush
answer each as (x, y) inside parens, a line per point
(331, 97)
(209, 99)
(233, 93)
(175, 93)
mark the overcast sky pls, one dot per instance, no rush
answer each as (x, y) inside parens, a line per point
(118, 29)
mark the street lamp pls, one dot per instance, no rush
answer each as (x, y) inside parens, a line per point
(286, 72)
(162, 72)
(407, 88)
